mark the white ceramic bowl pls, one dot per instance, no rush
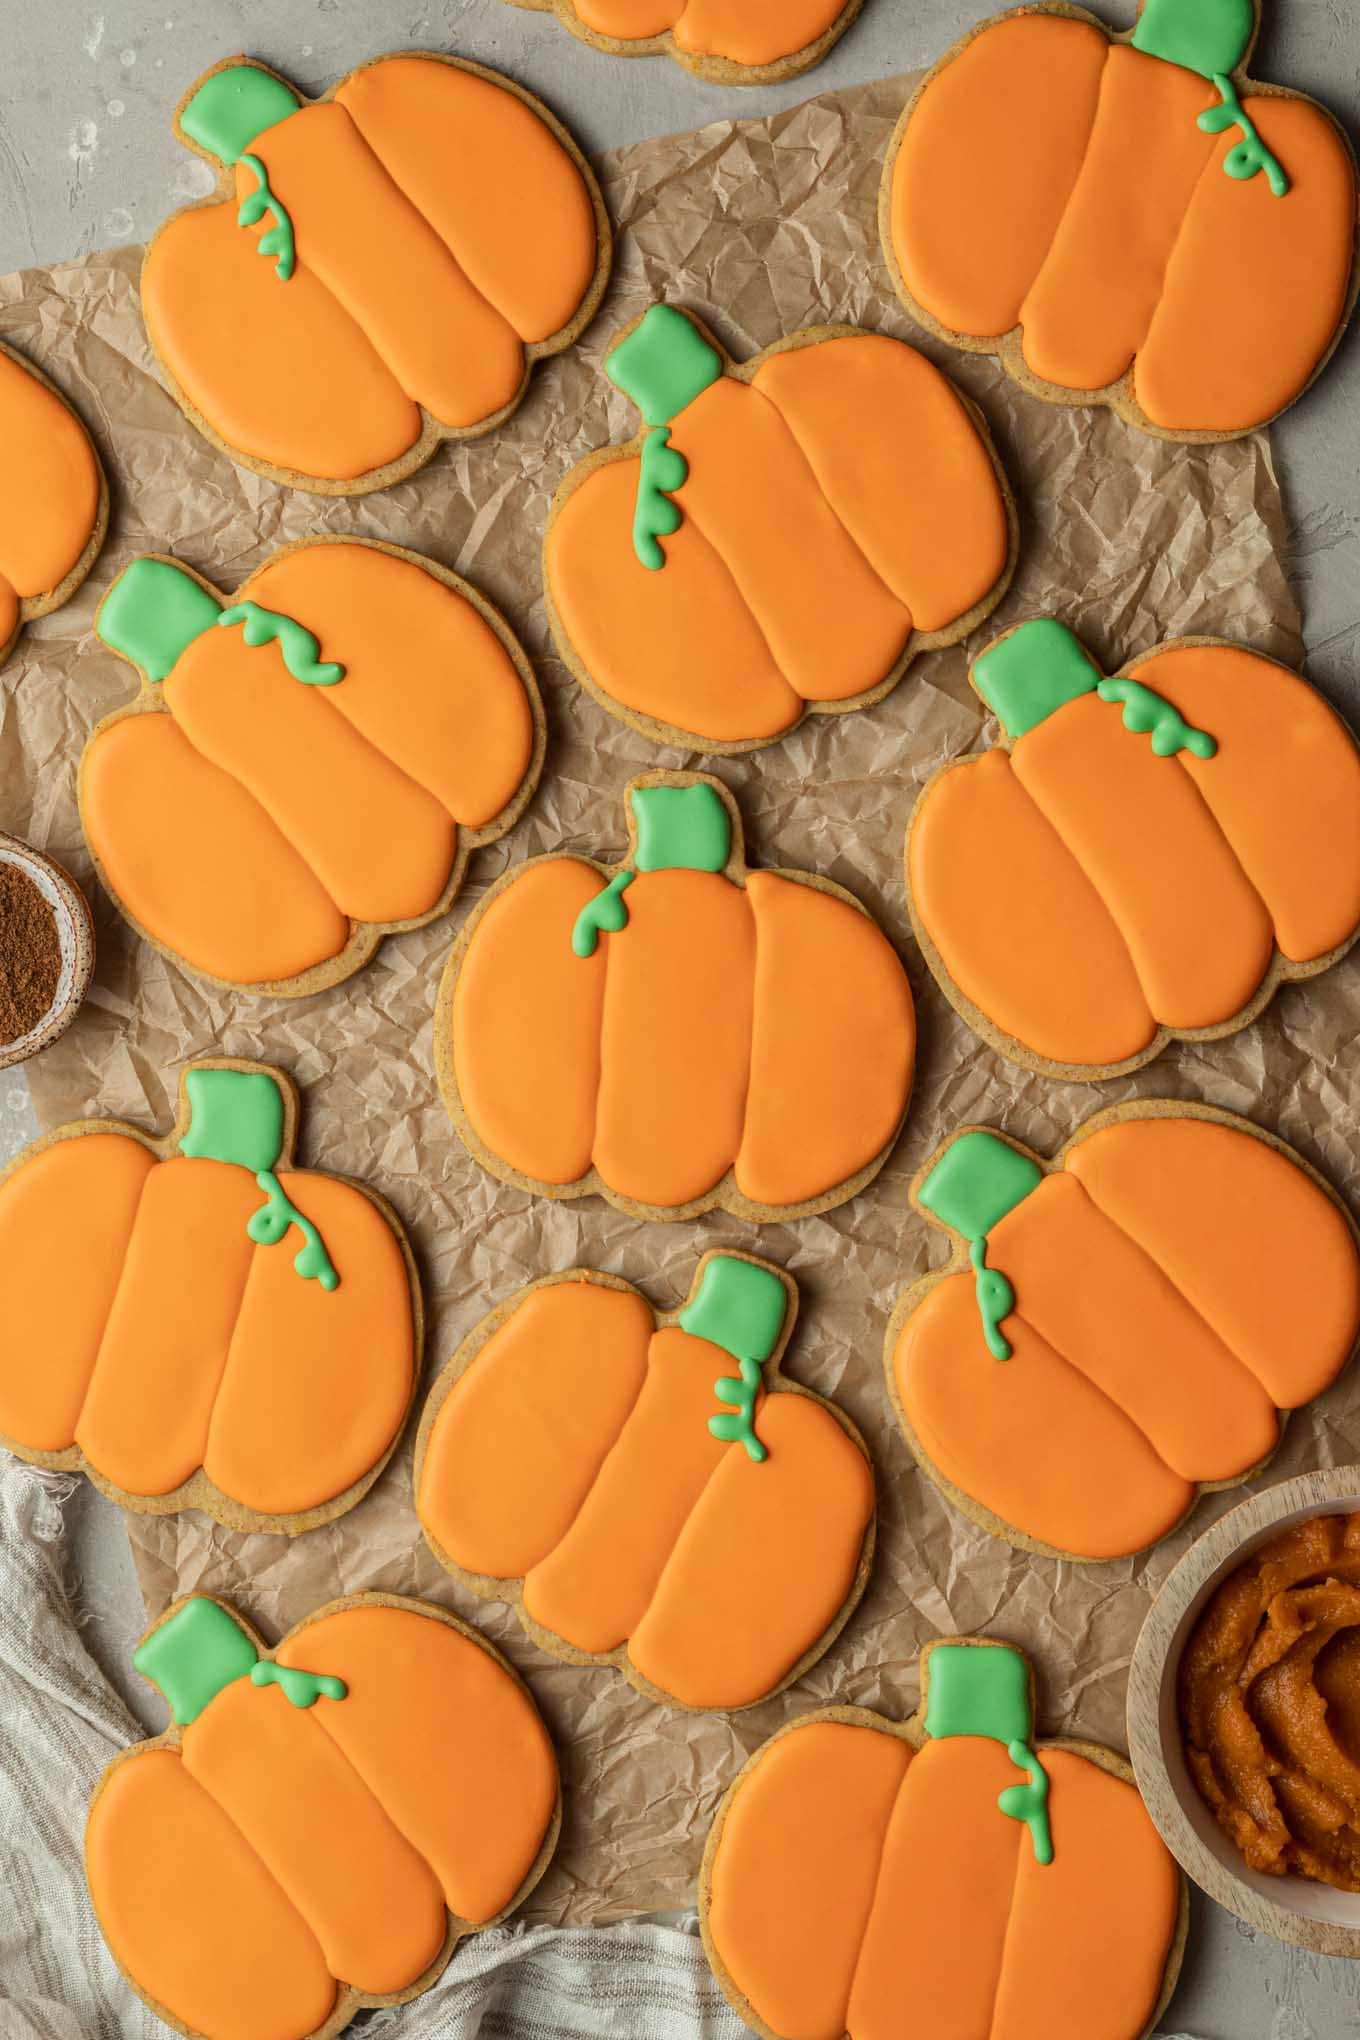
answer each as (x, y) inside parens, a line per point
(1293, 1909)
(75, 931)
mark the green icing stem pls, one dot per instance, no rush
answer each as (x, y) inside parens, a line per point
(192, 1655)
(1148, 713)
(1250, 156)
(270, 1223)
(983, 1689)
(680, 828)
(737, 1424)
(234, 1116)
(278, 240)
(298, 646)
(606, 914)
(663, 364)
(300, 1689)
(1207, 36)
(995, 1300)
(662, 469)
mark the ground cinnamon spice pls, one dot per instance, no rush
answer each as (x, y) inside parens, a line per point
(30, 953)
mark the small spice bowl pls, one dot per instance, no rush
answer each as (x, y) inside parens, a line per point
(75, 939)
(1293, 1909)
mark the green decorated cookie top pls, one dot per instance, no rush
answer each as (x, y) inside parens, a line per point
(152, 614)
(233, 106)
(1032, 673)
(976, 1181)
(983, 1689)
(234, 1116)
(1208, 36)
(663, 364)
(681, 828)
(740, 1307)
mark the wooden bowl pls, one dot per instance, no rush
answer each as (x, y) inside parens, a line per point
(75, 931)
(1292, 1909)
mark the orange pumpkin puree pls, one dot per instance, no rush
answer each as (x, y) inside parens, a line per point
(1270, 1704)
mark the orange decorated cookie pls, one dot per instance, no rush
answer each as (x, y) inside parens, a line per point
(198, 1324)
(867, 1879)
(676, 1032)
(651, 1492)
(322, 1823)
(1126, 219)
(54, 507)
(310, 761)
(380, 270)
(1139, 859)
(780, 539)
(726, 42)
(1120, 1328)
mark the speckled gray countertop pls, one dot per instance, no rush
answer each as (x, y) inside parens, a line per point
(87, 159)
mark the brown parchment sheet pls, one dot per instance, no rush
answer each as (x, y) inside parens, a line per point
(763, 226)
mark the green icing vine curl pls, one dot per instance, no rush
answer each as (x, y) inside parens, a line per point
(299, 648)
(1250, 156)
(606, 914)
(1147, 713)
(736, 1425)
(277, 241)
(995, 1300)
(663, 470)
(1027, 1803)
(268, 1225)
(304, 1689)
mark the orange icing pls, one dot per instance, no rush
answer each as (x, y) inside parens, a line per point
(839, 498)
(679, 1049)
(148, 1334)
(49, 511)
(326, 1842)
(250, 828)
(1084, 893)
(861, 1888)
(1177, 1282)
(573, 1458)
(440, 225)
(751, 32)
(1053, 182)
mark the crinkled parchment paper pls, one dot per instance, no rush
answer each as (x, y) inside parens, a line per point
(763, 226)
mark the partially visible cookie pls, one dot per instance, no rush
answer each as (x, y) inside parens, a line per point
(725, 42)
(379, 270)
(651, 1491)
(54, 510)
(676, 1032)
(311, 760)
(323, 1822)
(1139, 859)
(195, 1322)
(1121, 1328)
(1126, 219)
(781, 538)
(945, 1875)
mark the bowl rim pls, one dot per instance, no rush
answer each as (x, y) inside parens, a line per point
(75, 980)
(1155, 1661)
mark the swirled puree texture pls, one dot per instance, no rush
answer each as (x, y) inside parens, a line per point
(1270, 1704)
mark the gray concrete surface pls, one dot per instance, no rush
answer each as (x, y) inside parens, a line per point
(87, 159)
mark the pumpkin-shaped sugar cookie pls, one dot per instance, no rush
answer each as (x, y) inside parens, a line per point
(726, 42)
(676, 1032)
(323, 1823)
(1126, 219)
(866, 1879)
(196, 1323)
(780, 539)
(310, 761)
(1119, 1328)
(380, 270)
(1142, 858)
(54, 506)
(651, 1492)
